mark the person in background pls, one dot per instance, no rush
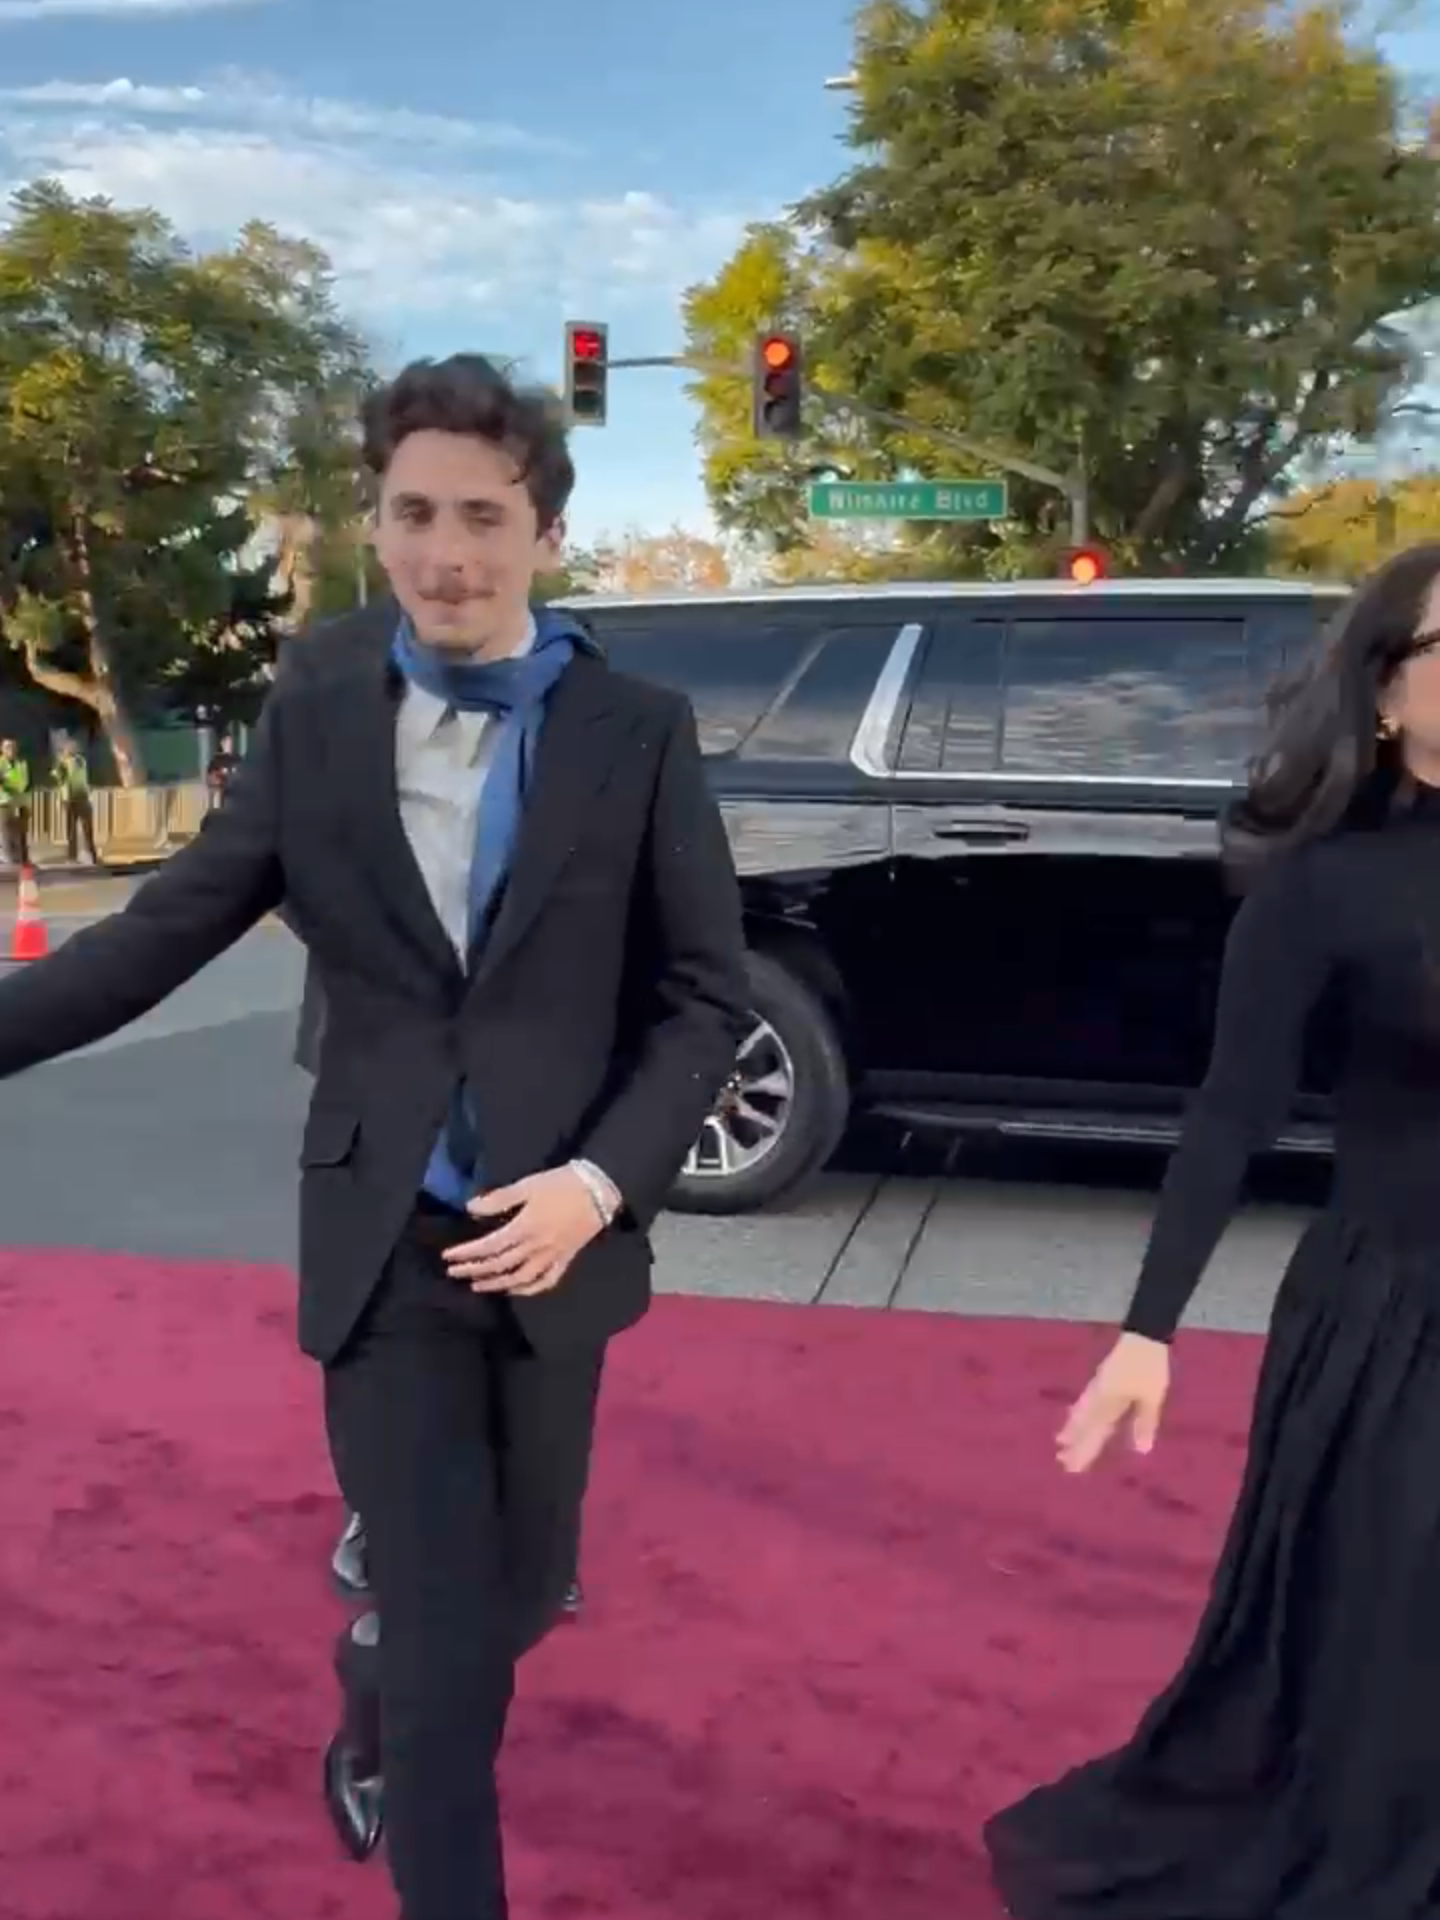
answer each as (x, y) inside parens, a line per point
(15, 803)
(225, 763)
(70, 777)
(1291, 1770)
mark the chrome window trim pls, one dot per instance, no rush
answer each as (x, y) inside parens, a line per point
(1118, 593)
(872, 736)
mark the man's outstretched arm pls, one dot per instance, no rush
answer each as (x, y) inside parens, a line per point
(201, 901)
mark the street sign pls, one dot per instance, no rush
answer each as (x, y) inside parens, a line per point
(910, 500)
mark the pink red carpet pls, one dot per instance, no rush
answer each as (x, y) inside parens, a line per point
(842, 1605)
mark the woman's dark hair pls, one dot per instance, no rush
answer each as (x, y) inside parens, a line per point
(1324, 765)
(468, 394)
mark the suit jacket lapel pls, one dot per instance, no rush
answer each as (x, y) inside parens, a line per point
(575, 756)
(364, 729)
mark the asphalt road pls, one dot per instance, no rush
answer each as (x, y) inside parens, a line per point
(180, 1136)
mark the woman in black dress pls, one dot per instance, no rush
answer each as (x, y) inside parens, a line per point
(1292, 1769)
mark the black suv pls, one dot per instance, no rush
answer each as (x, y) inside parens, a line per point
(976, 830)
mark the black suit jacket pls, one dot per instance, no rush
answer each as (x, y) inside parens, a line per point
(599, 1017)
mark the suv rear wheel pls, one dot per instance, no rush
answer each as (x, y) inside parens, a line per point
(784, 1110)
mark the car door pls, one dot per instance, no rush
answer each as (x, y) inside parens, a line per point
(914, 1017)
(778, 689)
(1055, 845)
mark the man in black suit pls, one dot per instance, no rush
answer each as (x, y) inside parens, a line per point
(516, 889)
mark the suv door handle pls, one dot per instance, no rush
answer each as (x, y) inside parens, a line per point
(982, 833)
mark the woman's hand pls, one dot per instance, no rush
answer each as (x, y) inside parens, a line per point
(1130, 1383)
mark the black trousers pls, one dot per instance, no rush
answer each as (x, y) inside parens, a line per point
(16, 823)
(80, 819)
(468, 1455)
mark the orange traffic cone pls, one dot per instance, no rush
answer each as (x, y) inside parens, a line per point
(30, 939)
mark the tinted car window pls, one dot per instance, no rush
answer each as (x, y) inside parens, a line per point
(818, 712)
(1146, 697)
(732, 662)
(953, 725)
(1282, 635)
(1272, 635)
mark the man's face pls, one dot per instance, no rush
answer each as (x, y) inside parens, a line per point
(458, 538)
(7, 749)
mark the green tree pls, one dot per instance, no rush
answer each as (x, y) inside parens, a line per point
(834, 554)
(149, 398)
(578, 572)
(1344, 530)
(315, 505)
(1170, 241)
(222, 676)
(673, 561)
(344, 572)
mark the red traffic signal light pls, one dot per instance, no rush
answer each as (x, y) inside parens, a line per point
(777, 387)
(1084, 566)
(586, 372)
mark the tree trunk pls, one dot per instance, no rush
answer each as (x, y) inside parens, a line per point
(119, 731)
(99, 689)
(295, 566)
(115, 723)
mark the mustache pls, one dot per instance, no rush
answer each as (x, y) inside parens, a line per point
(446, 595)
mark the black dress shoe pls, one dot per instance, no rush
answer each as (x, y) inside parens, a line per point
(355, 1805)
(350, 1562)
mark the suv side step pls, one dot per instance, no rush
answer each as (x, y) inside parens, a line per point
(1063, 1123)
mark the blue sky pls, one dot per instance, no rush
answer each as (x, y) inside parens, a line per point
(474, 184)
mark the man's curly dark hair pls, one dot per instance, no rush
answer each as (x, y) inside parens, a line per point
(468, 394)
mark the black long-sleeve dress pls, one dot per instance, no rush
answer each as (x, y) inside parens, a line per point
(1291, 1771)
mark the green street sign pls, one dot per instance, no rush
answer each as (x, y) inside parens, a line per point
(912, 500)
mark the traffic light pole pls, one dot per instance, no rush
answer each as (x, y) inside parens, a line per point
(1072, 486)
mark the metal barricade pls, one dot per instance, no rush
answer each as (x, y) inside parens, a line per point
(131, 823)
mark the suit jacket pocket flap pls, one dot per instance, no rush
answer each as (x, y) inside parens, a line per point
(330, 1135)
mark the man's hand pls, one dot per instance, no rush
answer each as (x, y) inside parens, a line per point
(555, 1216)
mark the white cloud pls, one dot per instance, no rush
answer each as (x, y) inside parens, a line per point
(406, 204)
(247, 99)
(16, 10)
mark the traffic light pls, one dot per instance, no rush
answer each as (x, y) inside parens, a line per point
(587, 354)
(1084, 566)
(777, 387)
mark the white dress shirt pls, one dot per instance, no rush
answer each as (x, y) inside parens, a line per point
(442, 758)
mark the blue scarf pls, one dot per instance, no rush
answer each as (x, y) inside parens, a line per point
(513, 692)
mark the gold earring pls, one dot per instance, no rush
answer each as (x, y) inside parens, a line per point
(1385, 727)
